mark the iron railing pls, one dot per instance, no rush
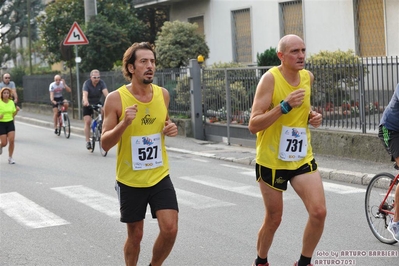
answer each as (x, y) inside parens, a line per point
(351, 95)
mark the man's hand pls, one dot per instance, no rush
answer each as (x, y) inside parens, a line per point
(130, 114)
(170, 129)
(295, 98)
(315, 119)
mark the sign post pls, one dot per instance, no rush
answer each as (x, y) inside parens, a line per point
(76, 37)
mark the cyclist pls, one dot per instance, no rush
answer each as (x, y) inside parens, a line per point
(55, 90)
(389, 135)
(93, 89)
(6, 82)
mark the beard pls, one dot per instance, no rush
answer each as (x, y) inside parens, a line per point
(147, 81)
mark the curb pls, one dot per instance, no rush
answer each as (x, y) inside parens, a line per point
(326, 173)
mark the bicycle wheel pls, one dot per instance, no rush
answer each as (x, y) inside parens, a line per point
(67, 126)
(103, 153)
(59, 124)
(93, 140)
(377, 218)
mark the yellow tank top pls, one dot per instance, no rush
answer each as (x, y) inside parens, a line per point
(141, 156)
(268, 147)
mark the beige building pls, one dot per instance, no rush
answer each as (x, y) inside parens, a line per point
(238, 30)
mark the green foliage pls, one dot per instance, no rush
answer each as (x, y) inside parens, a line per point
(153, 18)
(55, 24)
(107, 44)
(268, 58)
(177, 43)
(332, 70)
(17, 74)
(14, 19)
(6, 53)
(109, 33)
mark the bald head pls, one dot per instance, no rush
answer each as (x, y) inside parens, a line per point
(286, 41)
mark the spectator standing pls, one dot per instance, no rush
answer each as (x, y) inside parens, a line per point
(93, 89)
(55, 89)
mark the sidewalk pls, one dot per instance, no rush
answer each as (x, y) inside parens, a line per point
(330, 167)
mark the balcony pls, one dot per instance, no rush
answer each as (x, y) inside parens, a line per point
(152, 3)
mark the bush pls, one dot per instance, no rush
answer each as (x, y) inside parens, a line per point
(335, 73)
(268, 58)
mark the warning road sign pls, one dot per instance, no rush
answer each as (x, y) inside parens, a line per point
(75, 36)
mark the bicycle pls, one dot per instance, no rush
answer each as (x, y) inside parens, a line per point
(96, 129)
(379, 205)
(63, 120)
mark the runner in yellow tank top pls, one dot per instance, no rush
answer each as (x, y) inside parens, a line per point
(136, 119)
(280, 116)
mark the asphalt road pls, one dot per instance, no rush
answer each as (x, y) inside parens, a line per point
(58, 207)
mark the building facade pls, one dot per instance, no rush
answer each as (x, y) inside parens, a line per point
(236, 31)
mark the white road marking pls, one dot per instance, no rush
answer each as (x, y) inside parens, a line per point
(239, 167)
(27, 212)
(198, 201)
(342, 189)
(231, 186)
(200, 160)
(96, 200)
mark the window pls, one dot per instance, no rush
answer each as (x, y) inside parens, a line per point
(200, 23)
(370, 27)
(291, 18)
(242, 38)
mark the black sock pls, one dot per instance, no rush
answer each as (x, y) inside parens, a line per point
(259, 260)
(304, 261)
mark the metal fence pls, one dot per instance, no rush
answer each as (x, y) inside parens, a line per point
(350, 95)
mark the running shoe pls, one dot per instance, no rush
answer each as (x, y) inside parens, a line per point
(296, 264)
(393, 228)
(88, 145)
(11, 161)
(266, 264)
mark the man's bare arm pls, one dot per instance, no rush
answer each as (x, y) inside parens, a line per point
(113, 129)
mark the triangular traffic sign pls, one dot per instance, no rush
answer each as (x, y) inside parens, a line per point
(75, 36)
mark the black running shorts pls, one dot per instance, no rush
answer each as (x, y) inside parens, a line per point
(6, 127)
(278, 179)
(133, 201)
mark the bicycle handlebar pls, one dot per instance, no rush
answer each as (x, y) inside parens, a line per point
(96, 107)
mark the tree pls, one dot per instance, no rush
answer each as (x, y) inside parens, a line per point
(154, 18)
(14, 19)
(54, 26)
(177, 43)
(107, 44)
(109, 33)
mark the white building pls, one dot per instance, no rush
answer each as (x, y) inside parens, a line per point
(238, 30)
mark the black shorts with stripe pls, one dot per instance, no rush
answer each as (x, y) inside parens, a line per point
(278, 178)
